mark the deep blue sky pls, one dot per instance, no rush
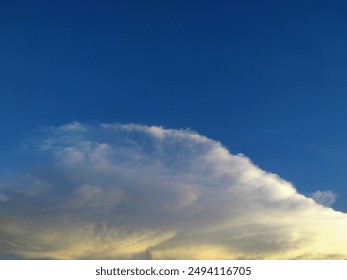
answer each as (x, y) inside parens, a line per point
(266, 78)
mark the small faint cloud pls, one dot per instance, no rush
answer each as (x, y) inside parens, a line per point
(271, 131)
(328, 153)
(325, 198)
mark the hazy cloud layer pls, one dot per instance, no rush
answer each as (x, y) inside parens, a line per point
(131, 191)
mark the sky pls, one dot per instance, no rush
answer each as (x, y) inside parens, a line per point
(263, 82)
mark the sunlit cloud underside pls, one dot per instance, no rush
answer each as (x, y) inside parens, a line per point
(113, 191)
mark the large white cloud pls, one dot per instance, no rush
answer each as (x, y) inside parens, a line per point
(132, 191)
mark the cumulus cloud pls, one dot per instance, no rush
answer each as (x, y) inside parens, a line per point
(137, 192)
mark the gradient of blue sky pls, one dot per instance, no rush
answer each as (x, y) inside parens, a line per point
(266, 78)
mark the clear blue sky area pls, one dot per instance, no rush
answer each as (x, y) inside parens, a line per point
(266, 78)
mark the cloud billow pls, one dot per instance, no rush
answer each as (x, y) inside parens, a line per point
(112, 191)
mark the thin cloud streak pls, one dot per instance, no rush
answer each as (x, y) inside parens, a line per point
(114, 191)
